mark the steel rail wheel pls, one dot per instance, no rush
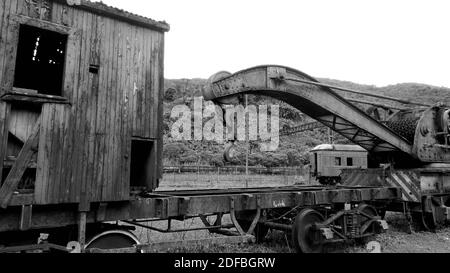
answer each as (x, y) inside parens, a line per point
(369, 211)
(113, 239)
(304, 236)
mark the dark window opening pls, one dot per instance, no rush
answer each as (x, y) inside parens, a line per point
(40, 60)
(315, 164)
(27, 181)
(94, 69)
(337, 161)
(349, 161)
(141, 165)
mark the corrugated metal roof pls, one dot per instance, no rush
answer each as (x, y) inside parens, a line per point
(338, 147)
(106, 10)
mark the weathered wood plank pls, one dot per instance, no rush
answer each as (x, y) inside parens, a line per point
(42, 162)
(58, 141)
(81, 192)
(102, 109)
(64, 189)
(116, 189)
(41, 24)
(21, 121)
(99, 129)
(149, 81)
(138, 96)
(18, 98)
(122, 120)
(4, 113)
(128, 117)
(91, 38)
(71, 91)
(143, 92)
(160, 111)
(93, 99)
(3, 37)
(107, 177)
(51, 158)
(10, 50)
(16, 172)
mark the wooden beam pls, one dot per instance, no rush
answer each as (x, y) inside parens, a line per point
(5, 109)
(18, 96)
(25, 217)
(21, 164)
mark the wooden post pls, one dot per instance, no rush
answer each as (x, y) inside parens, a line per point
(82, 229)
(247, 145)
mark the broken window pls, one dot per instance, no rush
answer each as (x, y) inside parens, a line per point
(40, 60)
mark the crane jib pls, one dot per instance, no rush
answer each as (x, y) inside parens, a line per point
(315, 100)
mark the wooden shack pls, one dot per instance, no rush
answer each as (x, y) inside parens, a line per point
(81, 85)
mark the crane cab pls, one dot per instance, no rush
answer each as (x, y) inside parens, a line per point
(328, 160)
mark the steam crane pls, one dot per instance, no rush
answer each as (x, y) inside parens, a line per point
(413, 143)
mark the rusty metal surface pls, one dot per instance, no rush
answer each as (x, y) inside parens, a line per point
(431, 140)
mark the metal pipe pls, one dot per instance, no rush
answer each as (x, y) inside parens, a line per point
(277, 226)
(224, 232)
(177, 230)
(356, 92)
(158, 219)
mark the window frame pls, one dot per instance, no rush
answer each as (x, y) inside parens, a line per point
(73, 36)
(338, 159)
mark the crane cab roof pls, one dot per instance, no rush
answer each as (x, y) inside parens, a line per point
(338, 147)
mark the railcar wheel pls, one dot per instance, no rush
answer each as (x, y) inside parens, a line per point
(429, 221)
(304, 237)
(112, 239)
(370, 211)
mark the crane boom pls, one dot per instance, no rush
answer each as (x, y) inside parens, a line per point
(318, 102)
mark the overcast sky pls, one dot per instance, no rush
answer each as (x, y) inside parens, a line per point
(371, 42)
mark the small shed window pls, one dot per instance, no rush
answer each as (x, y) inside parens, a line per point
(349, 161)
(337, 161)
(40, 60)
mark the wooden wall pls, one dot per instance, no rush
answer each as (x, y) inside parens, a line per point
(84, 146)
